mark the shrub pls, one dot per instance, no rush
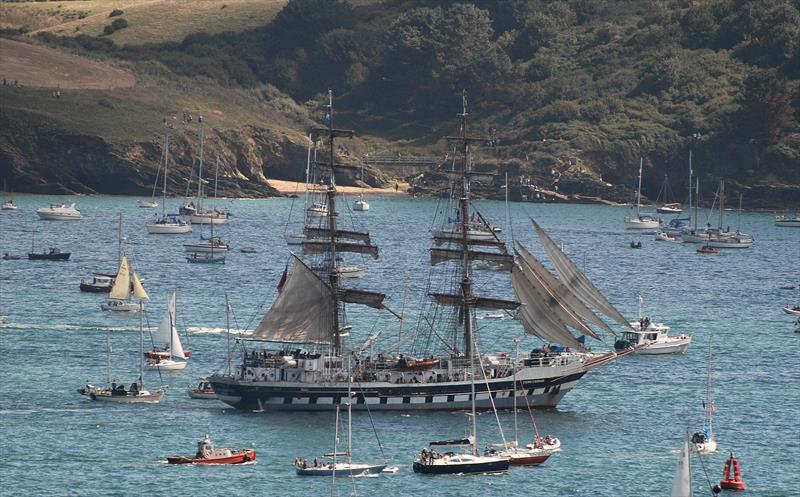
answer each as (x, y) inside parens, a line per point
(115, 13)
(115, 26)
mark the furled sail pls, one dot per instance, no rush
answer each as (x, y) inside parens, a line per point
(535, 313)
(325, 233)
(441, 255)
(122, 283)
(324, 247)
(575, 280)
(682, 484)
(166, 336)
(565, 296)
(302, 312)
(478, 302)
(138, 289)
(353, 296)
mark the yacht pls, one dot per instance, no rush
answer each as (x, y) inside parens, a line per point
(59, 212)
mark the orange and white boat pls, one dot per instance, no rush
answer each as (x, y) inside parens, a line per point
(208, 454)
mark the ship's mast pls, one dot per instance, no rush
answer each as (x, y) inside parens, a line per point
(334, 273)
(464, 201)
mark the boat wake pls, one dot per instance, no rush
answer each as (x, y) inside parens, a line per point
(200, 330)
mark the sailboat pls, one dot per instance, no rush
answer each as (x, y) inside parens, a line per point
(705, 442)
(308, 317)
(360, 204)
(136, 393)
(667, 207)
(641, 221)
(530, 455)
(127, 286)
(152, 204)
(167, 353)
(197, 214)
(682, 483)
(172, 223)
(340, 463)
(725, 239)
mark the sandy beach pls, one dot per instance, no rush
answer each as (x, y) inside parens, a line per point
(298, 187)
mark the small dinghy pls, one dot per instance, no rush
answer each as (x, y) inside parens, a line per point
(792, 310)
(203, 390)
(706, 249)
(636, 245)
(208, 454)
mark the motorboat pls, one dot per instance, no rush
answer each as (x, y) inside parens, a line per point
(317, 209)
(650, 338)
(98, 283)
(247, 250)
(168, 224)
(59, 212)
(9, 205)
(663, 236)
(203, 390)
(360, 204)
(784, 221)
(707, 249)
(146, 204)
(674, 208)
(547, 442)
(53, 254)
(11, 257)
(208, 454)
(792, 310)
(205, 258)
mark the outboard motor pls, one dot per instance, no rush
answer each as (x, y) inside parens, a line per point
(622, 344)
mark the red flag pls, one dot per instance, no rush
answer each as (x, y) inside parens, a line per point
(283, 278)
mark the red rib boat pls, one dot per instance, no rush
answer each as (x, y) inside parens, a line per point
(208, 454)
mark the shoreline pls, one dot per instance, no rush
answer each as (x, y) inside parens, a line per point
(286, 187)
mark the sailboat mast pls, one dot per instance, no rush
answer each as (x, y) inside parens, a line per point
(164, 190)
(696, 200)
(639, 188)
(228, 325)
(108, 359)
(119, 241)
(514, 389)
(690, 179)
(334, 274)
(709, 408)
(141, 345)
(200, 171)
(349, 412)
(466, 282)
(721, 203)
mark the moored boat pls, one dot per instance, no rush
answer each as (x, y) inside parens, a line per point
(127, 286)
(59, 212)
(792, 310)
(97, 283)
(207, 453)
(53, 254)
(641, 222)
(205, 258)
(9, 205)
(707, 249)
(651, 338)
(203, 390)
(787, 221)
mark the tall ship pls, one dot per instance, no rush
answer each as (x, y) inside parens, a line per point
(297, 357)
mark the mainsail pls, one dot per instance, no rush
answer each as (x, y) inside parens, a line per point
(302, 311)
(574, 279)
(682, 484)
(122, 283)
(166, 335)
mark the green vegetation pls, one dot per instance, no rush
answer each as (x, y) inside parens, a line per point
(607, 81)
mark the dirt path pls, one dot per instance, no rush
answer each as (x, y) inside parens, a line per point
(40, 66)
(290, 187)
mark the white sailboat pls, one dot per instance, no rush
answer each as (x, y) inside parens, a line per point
(172, 223)
(152, 204)
(682, 483)
(136, 393)
(121, 295)
(214, 215)
(726, 239)
(360, 204)
(167, 353)
(705, 441)
(641, 221)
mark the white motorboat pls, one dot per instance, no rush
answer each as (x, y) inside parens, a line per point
(59, 212)
(664, 237)
(783, 221)
(651, 338)
(670, 209)
(9, 205)
(641, 221)
(360, 204)
(317, 209)
(146, 204)
(792, 310)
(167, 353)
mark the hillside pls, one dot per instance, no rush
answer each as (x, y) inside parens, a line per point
(583, 88)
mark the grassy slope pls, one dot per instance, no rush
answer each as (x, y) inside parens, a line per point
(154, 21)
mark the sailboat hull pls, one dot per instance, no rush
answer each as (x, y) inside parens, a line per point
(167, 365)
(342, 469)
(544, 392)
(105, 395)
(492, 465)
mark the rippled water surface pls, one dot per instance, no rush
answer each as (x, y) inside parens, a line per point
(620, 428)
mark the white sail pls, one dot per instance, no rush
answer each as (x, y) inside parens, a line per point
(574, 279)
(138, 289)
(682, 484)
(303, 310)
(168, 330)
(122, 283)
(561, 293)
(535, 314)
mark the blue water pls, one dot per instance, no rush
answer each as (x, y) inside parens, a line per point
(620, 428)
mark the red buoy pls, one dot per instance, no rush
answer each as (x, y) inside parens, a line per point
(734, 482)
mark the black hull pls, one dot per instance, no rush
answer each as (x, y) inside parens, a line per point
(49, 257)
(95, 289)
(459, 469)
(250, 396)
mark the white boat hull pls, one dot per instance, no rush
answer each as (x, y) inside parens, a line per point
(361, 205)
(641, 224)
(674, 345)
(729, 243)
(105, 395)
(167, 365)
(58, 216)
(200, 219)
(707, 447)
(200, 248)
(168, 229)
(120, 306)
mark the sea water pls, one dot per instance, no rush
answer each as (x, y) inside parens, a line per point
(620, 428)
